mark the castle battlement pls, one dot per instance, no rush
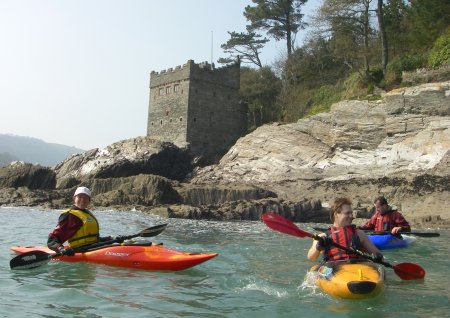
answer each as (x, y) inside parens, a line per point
(190, 69)
(205, 65)
(197, 104)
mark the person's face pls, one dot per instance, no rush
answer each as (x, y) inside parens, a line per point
(81, 201)
(380, 208)
(345, 217)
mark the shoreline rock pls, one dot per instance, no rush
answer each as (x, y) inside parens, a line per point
(398, 146)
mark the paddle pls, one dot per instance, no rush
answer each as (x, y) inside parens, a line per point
(406, 271)
(37, 258)
(421, 234)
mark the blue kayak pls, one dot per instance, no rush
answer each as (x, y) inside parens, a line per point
(388, 241)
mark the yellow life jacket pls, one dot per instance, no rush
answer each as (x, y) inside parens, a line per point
(88, 233)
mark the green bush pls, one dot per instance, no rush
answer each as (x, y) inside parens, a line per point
(323, 97)
(440, 53)
(399, 64)
(354, 86)
(376, 74)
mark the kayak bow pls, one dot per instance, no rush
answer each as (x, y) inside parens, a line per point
(350, 279)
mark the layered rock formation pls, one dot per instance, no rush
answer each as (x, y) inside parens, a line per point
(398, 146)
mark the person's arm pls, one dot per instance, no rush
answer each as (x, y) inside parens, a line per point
(369, 225)
(313, 252)
(68, 225)
(366, 243)
(400, 224)
(369, 247)
(318, 246)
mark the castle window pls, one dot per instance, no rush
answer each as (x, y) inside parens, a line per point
(181, 119)
(195, 119)
(176, 87)
(160, 122)
(167, 90)
(167, 113)
(170, 119)
(161, 91)
(152, 123)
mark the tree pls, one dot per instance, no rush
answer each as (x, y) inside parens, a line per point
(245, 45)
(282, 19)
(383, 37)
(314, 65)
(259, 89)
(425, 21)
(351, 13)
(393, 16)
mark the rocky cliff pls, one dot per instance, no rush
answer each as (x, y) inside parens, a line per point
(398, 146)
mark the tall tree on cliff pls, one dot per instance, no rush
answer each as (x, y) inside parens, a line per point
(245, 45)
(354, 14)
(393, 17)
(259, 89)
(383, 36)
(281, 19)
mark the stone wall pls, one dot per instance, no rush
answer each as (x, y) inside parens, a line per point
(198, 105)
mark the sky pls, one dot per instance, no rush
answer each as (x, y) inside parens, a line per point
(77, 72)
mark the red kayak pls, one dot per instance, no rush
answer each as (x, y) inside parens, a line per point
(137, 255)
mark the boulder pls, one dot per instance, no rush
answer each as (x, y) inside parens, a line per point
(20, 174)
(123, 159)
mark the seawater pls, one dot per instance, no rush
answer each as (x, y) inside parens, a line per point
(259, 273)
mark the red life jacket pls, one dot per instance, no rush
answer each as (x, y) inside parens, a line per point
(345, 236)
(385, 222)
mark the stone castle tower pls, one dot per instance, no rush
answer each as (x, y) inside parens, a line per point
(198, 105)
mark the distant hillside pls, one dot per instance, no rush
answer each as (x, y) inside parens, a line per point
(33, 150)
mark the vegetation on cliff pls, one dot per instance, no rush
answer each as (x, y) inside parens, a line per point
(354, 49)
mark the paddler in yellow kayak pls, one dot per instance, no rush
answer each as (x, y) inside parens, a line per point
(77, 225)
(344, 233)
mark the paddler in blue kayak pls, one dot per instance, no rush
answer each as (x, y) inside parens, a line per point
(386, 219)
(344, 233)
(77, 225)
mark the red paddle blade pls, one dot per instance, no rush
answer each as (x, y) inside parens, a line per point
(409, 271)
(280, 224)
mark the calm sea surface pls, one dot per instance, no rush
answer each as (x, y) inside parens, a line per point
(259, 273)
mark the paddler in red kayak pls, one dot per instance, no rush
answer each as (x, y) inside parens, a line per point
(386, 219)
(77, 225)
(344, 233)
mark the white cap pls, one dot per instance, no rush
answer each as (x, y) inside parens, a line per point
(82, 190)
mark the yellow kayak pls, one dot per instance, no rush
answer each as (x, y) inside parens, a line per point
(350, 279)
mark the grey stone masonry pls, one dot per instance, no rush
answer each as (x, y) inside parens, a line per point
(197, 104)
